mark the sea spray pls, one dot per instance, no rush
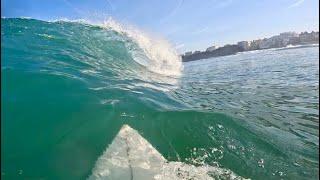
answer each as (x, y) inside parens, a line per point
(162, 57)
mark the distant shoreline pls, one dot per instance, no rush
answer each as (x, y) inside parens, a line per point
(279, 41)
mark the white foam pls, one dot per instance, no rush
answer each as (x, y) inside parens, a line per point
(162, 58)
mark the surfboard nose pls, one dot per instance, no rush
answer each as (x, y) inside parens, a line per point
(125, 128)
(129, 156)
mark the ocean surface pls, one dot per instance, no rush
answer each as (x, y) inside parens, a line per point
(68, 87)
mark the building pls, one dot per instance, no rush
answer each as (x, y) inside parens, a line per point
(294, 40)
(188, 53)
(273, 42)
(255, 44)
(315, 35)
(264, 44)
(289, 34)
(212, 48)
(306, 37)
(245, 45)
(287, 37)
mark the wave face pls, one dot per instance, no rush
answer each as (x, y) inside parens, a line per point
(68, 87)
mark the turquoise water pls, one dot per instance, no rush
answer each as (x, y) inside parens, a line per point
(68, 87)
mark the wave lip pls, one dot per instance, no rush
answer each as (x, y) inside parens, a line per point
(161, 56)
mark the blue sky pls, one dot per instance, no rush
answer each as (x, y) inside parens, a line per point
(187, 24)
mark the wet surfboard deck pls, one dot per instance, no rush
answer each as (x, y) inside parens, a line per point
(131, 157)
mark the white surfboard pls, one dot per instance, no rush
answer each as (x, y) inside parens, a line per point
(131, 157)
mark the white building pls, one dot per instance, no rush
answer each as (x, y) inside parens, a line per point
(289, 34)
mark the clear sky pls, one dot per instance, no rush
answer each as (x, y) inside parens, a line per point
(187, 24)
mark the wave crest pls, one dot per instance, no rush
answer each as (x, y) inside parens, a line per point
(158, 55)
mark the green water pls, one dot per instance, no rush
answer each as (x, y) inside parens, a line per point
(68, 87)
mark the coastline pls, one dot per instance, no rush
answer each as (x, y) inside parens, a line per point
(251, 51)
(284, 40)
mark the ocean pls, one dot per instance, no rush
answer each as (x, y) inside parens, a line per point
(68, 87)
